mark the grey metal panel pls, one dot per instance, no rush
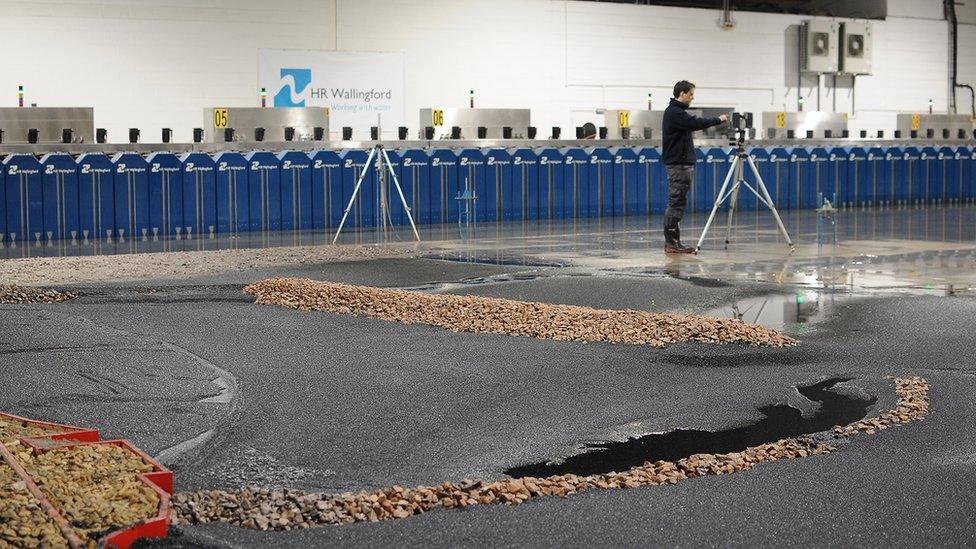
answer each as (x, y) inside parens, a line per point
(49, 123)
(936, 123)
(470, 119)
(246, 146)
(641, 119)
(819, 45)
(274, 121)
(856, 48)
(802, 122)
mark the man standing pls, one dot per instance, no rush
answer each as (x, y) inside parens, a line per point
(678, 155)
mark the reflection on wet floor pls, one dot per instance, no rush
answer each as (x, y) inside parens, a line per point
(918, 249)
(780, 421)
(798, 312)
(790, 313)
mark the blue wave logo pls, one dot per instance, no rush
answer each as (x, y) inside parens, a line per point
(293, 84)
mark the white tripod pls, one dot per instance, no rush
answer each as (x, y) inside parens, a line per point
(737, 169)
(382, 165)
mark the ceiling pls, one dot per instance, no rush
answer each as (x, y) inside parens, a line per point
(855, 9)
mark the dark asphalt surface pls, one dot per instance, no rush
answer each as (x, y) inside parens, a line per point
(327, 402)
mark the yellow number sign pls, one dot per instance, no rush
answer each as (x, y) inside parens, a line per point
(781, 120)
(438, 117)
(623, 117)
(916, 122)
(220, 118)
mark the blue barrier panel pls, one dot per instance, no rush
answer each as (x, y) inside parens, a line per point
(967, 173)
(948, 174)
(601, 195)
(892, 158)
(551, 176)
(858, 176)
(799, 178)
(914, 172)
(928, 157)
(264, 191)
(165, 180)
(60, 196)
(714, 165)
(396, 215)
(296, 190)
(131, 195)
(96, 196)
(328, 202)
(25, 202)
(652, 182)
(199, 195)
(778, 183)
(471, 174)
(838, 188)
(230, 181)
(363, 213)
(759, 156)
(878, 175)
(900, 175)
(525, 184)
(444, 186)
(626, 196)
(572, 199)
(498, 178)
(415, 178)
(716, 162)
(820, 176)
(596, 199)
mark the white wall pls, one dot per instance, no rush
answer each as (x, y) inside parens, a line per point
(158, 63)
(967, 62)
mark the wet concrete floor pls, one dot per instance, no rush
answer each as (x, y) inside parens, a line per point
(233, 394)
(779, 421)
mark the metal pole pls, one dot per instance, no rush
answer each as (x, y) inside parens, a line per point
(403, 200)
(739, 178)
(352, 198)
(718, 202)
(769, 202)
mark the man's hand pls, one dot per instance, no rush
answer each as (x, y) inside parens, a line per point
(724, 118)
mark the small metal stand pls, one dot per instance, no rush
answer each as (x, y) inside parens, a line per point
(737, 169)
(383, 167)
(467, 223)
(825, 214)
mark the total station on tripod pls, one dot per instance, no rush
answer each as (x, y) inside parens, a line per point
(740, 127)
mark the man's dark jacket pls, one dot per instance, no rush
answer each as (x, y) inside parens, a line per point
(678, 146)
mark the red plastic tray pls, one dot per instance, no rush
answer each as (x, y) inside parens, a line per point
(160, 480)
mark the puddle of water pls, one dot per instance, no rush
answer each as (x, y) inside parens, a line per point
(446, 287)
(491, 258)
(791, 313)
(780, 421)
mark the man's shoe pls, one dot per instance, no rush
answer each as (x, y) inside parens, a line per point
(672, 241)
(678, 249)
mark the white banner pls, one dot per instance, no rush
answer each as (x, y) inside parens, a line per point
(356, 86)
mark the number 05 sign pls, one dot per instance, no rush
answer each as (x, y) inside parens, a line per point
(220, 118)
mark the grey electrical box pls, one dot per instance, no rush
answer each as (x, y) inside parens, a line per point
(819, 45)
(855, 48)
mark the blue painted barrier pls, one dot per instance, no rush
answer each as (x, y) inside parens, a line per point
(525, 184)
(233, 201)
(25, 202)
(60, 197)
(199, 195)
(498, 179)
